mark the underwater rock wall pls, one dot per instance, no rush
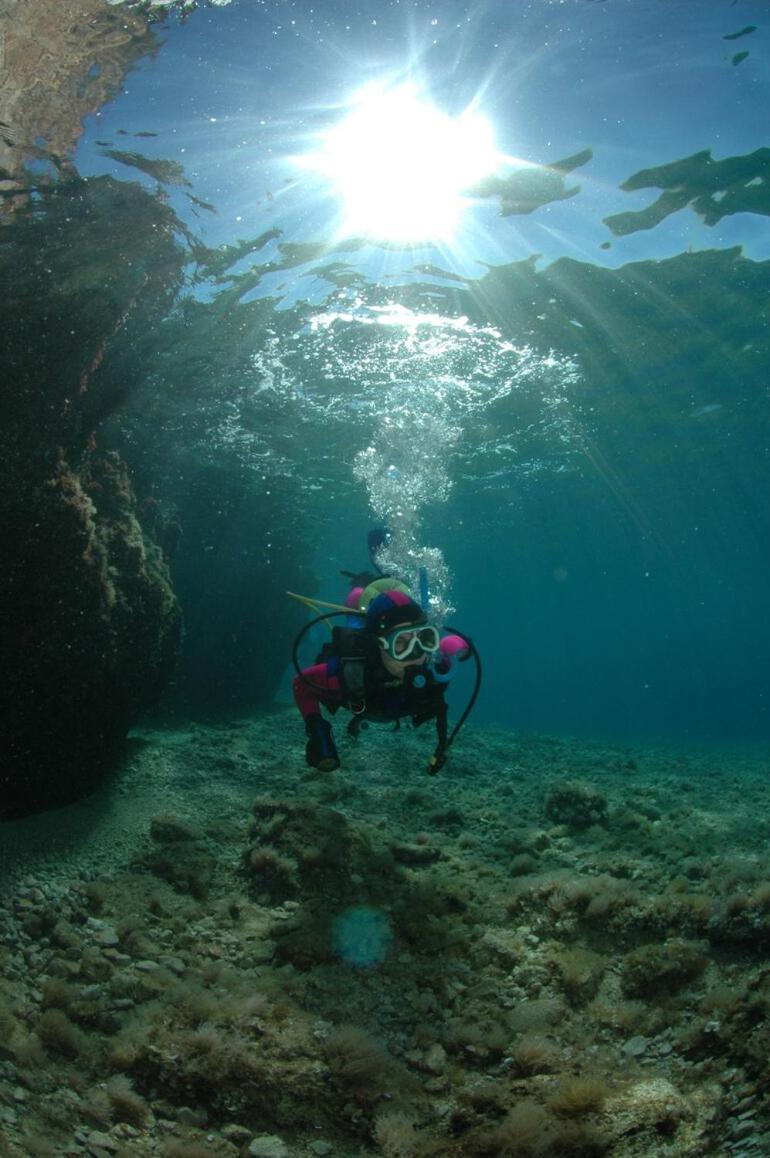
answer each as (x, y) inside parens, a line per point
(90, 622)
(91, 630)
(89, 625)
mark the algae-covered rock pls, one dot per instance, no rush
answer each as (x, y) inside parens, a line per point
(89, 625)
(326, 854)
(306, 851)
(575, 804)
(653, 1108)
(662, 969)
(352, 900)
(96, 629)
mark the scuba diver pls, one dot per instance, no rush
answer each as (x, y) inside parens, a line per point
(387, 663)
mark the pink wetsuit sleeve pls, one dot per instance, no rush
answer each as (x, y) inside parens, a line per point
(307, 699)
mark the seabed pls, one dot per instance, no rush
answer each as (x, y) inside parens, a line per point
(552, 948)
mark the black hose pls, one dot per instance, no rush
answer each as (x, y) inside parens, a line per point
(301, 635)
(439, 756)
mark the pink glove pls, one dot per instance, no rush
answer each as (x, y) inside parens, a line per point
(452, 645)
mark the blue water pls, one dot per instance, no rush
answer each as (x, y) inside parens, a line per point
(582, 449)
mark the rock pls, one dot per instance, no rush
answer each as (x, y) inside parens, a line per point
(636, 1046)
(415, 854)
(435, 1058)
(575, 805)
(238, 1135)
(651, 1103)
(95, 590)
(267, 1146)
(192, 1116)
(99, 1144)
(104, 935)
(175, 964)
(101, 626)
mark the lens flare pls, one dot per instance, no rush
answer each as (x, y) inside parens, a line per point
(361, 936)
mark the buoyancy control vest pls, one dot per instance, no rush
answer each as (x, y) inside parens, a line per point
(353, 656)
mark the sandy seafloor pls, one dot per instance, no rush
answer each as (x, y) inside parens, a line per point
(567, 950)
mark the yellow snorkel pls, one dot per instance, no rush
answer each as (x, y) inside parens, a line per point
(365, 598)
(316, 604)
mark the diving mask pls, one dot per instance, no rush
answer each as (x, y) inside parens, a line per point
(404, 641)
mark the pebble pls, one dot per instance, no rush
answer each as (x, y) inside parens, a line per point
(189, 1116)
(99, 1144)
(103, 934)
(321, 1149)
(636, 1046)
(175, 964)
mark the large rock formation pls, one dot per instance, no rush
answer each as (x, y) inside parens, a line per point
(90, 630)
(89, 626)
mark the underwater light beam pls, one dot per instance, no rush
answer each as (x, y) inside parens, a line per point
(401, 167)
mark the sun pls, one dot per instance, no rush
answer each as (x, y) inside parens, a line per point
(401, 167)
